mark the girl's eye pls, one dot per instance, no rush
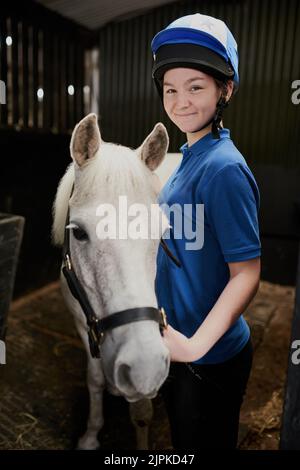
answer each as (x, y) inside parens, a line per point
(80, 234)
(195, 87)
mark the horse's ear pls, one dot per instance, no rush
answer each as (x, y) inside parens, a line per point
(85, 140)
(155, 146)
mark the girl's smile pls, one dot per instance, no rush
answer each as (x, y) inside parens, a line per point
(185, 115)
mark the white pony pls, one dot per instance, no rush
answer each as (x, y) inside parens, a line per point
(115, 274)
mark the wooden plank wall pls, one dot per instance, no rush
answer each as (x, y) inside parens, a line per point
(41, 53)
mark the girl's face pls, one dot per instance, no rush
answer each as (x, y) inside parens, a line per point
(190, 98)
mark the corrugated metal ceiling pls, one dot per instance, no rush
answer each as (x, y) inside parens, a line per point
(94, 14)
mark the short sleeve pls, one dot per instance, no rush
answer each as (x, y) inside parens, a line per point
(231, 204)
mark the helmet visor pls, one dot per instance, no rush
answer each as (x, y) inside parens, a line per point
(191, 56)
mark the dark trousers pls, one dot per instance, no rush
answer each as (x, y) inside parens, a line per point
(203, 409)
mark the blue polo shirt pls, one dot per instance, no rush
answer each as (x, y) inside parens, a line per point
(215, 174)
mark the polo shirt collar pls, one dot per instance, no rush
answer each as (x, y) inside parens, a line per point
(204, 143)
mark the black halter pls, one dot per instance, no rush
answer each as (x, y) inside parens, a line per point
(97, 326)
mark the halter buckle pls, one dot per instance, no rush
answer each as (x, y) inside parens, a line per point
(95, 338)
(68, 262)
(164, 321)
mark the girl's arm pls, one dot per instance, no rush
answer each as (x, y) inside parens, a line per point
(236, 296)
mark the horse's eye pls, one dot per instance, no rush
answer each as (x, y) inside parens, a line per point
(80, 234)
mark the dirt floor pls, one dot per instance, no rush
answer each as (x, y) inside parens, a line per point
(44, 400)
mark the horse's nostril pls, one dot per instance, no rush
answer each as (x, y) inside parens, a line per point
(124, 374)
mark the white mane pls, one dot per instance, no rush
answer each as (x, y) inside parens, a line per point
(60, 206)
(115, 169)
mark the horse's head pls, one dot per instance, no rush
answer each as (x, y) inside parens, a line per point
(115, 227)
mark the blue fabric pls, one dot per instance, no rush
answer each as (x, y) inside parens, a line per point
(233, 55)
(214, 173)
(188, 36)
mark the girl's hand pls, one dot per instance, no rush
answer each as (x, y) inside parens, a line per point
(180, 347)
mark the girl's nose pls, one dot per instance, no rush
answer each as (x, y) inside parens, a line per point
(182, 100)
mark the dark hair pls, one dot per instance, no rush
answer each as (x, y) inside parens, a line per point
(222, 85)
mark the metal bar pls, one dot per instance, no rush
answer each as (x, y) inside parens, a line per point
(3, 67)
(15, 71)
(48, 101)
(35, 75)
(25, 74)
(79, 81)
(55, 84)
(62, 85)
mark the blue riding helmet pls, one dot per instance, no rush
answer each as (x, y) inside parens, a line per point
(200, 42)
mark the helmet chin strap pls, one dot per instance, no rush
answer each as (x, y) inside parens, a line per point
(216, 119)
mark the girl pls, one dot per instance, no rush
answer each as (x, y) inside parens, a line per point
(196, 73)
